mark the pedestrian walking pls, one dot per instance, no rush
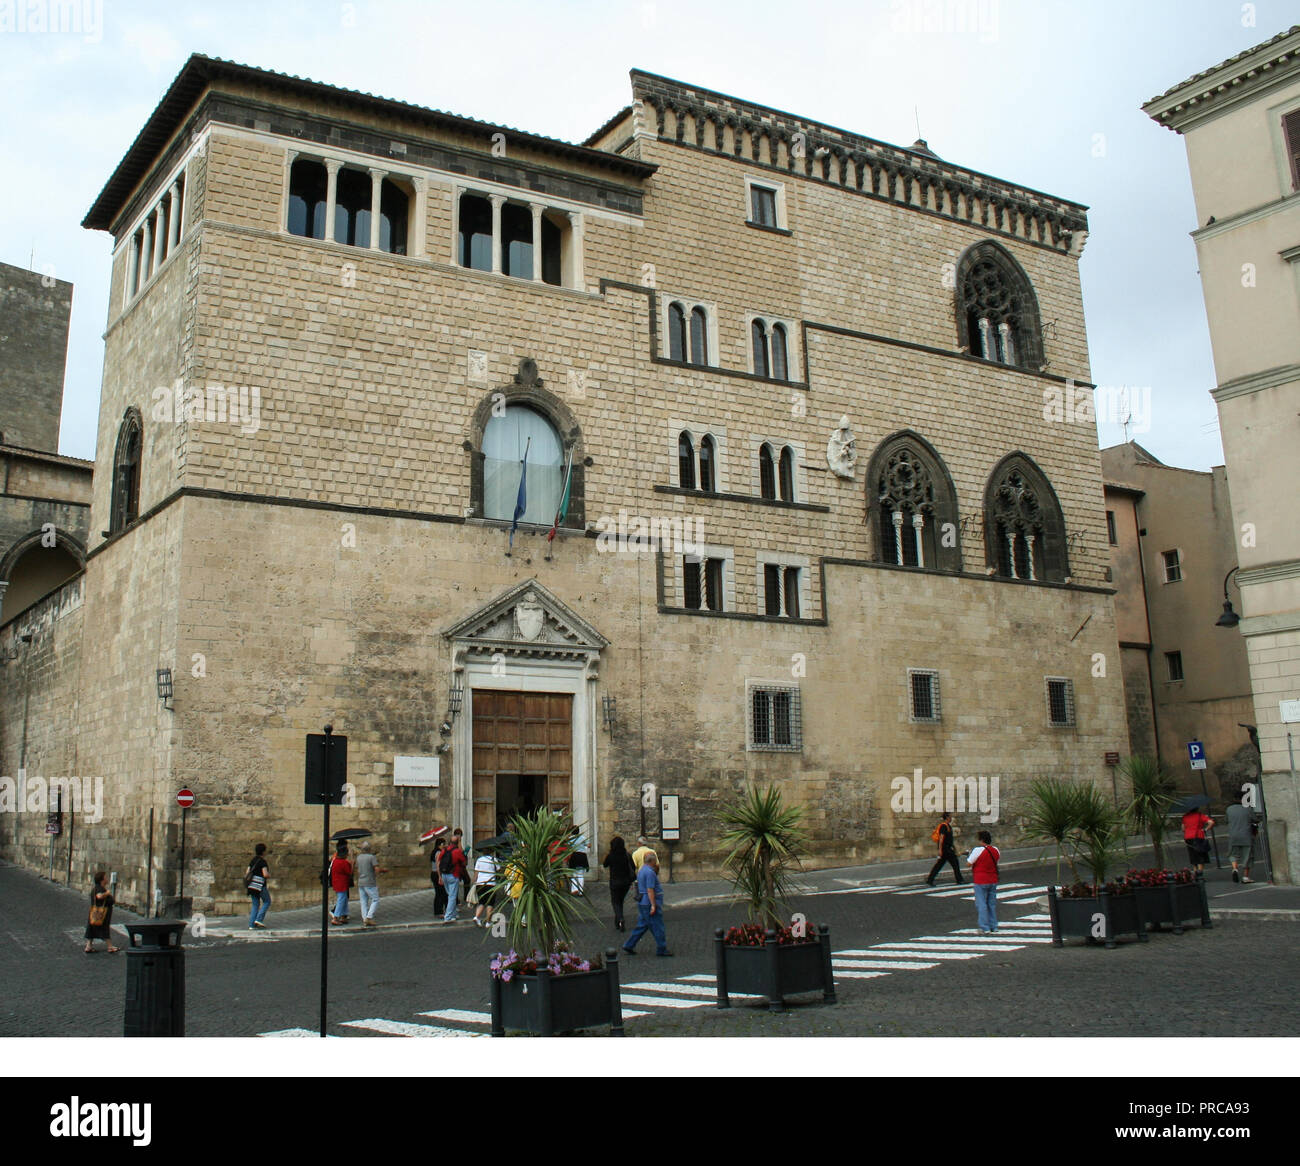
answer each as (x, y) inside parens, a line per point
(622, 874)
(435, 877)
(650, 908)
(1195, 823)
(255, 883)
(642, 849)
(341, 880)
(944, 835)
(579, 864)
(983, 862)
(99, 924)
(451, 865)
(368, 872)
(1241, 838)
(484, 892)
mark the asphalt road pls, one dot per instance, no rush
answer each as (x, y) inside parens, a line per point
(1236, 979)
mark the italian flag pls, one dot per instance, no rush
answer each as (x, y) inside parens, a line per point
(563, 510)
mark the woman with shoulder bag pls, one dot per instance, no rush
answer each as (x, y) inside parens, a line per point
(439, 891)
(259, 894)
(100, 923)
(622, 874)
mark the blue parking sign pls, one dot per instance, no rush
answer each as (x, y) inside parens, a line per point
(1196, 754)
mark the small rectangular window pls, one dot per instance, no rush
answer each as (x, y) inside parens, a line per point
(1060, 702)
(1110, 528)
(1173, 566)
(713, 584)
(771, 589)
(775, 716)
(762, 206)
(924, 693)
(792, 592)
(691, 579)
(1174, 660)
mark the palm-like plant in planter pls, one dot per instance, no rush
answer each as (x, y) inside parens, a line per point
(1053, 816)
(1084, 820)
(542, 985)
(765, 837)
(1154, 791)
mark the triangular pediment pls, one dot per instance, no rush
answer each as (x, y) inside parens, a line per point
(528, 618)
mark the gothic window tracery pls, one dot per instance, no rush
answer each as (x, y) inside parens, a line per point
(1024, 528)
(997, 311)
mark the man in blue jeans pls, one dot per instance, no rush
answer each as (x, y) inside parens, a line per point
(650, 907)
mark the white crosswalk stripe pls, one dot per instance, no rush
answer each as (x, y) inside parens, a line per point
(297, 1032)
(698, 990)
(405, 1028)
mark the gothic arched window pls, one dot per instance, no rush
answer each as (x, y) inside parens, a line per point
(766, 472)
(758, 335)
(708, 462)
(699, 336)
(913, 505)
(1023, 526)
(676, 332)
(780, 358)
(997, 311)
(125, 507)
(786, 468)
(685, 461)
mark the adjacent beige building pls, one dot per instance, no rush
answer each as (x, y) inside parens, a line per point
(1172, 542)
(790, 398)
(1241, 123)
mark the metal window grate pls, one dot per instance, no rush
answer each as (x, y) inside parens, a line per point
(775, 719)
(1060, 702)
(924, 685)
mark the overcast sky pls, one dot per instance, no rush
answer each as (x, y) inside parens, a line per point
(1040, 92)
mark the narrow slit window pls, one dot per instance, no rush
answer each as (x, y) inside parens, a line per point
(787, 474)
(708, 457)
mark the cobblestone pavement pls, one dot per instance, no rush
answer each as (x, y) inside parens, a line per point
(909, 963)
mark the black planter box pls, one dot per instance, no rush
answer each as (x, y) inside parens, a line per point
(1077, 918)
(1175, 903)
(544, 1004)
(774, 971)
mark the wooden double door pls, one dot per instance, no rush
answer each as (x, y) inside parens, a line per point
(523, 755)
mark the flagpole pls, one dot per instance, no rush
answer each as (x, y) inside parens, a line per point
(521, 500)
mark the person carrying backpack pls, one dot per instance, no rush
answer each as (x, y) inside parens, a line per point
(983, 862)
(943, 838)
(451, 866)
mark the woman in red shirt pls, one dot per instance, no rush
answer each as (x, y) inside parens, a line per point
(983, 861)
(1195, 823)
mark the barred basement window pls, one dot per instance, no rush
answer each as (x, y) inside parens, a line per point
(923, 684)
(1060, 702)
(775, 719)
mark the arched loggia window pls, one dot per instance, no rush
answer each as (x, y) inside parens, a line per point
(997, 311)
(125, 507)
(913, 505)
(1023, 525)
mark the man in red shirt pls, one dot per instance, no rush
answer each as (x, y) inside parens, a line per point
(983, 862)
(340, 881)
(1195, 823)
(451, 866)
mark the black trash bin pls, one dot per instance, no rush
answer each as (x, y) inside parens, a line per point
(155, 979)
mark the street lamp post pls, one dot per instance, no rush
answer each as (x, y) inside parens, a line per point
(1229, 618)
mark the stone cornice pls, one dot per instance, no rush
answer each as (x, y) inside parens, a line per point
(1257, 381)
(1240, 78)
(1268, 573)
(1223, 226)
(855, 163)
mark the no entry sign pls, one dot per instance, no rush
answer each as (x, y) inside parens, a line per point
(185, 799)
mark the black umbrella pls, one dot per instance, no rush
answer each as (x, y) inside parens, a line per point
(498, 842)
(1190, 802)
(348, 835)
